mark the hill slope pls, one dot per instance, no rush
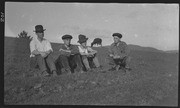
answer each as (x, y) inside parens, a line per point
(153, 80)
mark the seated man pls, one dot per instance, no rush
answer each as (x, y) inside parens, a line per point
(69, 56)
(87, 53)
(118, 53)
(41, 52)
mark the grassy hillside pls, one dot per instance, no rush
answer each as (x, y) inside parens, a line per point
(153, 80)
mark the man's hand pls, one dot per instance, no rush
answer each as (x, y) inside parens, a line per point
(43, 54)
(65, 50)
(111, 55)
(90, 54)
(116, 57)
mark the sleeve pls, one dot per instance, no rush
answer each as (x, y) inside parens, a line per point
(32, 46)
(49, 47)
(63, 52)
(126, 49)
(74, 50)
(80, 50)
(110, 49)
(91, 50)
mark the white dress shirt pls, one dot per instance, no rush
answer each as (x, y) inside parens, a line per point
(42, 46)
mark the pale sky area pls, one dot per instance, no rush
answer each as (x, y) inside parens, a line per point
(149, 25)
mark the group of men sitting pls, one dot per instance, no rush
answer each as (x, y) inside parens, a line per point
(73, 58)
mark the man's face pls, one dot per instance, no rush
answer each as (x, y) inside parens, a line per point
(84, 44)
(116, 39)
(67, 41)
(40, 35)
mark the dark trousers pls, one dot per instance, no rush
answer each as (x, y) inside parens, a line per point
(70, 62)
(90, 61)
(122, 62)
(44, 64)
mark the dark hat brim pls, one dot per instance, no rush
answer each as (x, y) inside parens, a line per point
(67, 37)
(39, 30)
(117, 34)
(82, 41)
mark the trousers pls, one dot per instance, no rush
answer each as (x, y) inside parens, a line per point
(86, 61)
(44, 64)
(123, 62)
(70, 62)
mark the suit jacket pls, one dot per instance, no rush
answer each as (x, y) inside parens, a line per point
(74, 50)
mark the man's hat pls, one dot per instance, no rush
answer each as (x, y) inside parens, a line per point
(82, 38)
(66, 36)
(39, 29)
(117, 34)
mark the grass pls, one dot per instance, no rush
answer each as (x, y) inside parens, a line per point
(153, 80)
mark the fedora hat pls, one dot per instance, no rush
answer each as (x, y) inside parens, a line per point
(39, 29)
(82, 38)
(66, 36)
(117, 34)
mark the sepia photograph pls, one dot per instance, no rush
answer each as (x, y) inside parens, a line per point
(100, 54)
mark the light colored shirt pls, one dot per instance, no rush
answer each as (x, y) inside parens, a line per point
(85, 50)
(43, 46)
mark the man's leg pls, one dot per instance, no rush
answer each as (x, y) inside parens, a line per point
(33, 62)
(114, 63)
(42, 65)
(126, 61)
(86, 62)
(63, 61)
(51, 64)
(96, 61)
(77, 60)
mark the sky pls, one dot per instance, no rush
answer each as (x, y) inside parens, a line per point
(150, 25)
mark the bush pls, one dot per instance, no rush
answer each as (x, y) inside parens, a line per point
(24, 35)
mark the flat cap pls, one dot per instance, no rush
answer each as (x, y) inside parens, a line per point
(66, 36)
(117, 34)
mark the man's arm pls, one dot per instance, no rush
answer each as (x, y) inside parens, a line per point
(33, 49)
(125, 51)
(74, 49)
(111, 54)
(64, 52)
(91, 51)
(35, 52)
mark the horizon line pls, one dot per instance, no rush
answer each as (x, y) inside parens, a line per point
(109, 45)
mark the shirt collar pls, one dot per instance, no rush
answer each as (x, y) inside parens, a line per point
(39, 41)
(117, 44)
(83, 47)
(67, 46)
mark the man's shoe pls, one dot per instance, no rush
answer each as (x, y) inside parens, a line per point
(112, 69)
(128, 68)
(117, 67)
(89, 70)
(65, 71)
(45, 74)
(54, 72)
(68, 71)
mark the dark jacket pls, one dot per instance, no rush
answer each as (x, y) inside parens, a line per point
(74, 50)
(120, 49)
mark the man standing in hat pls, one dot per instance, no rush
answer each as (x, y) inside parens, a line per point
(118, 53)
(69, 56)
(87, 53)
(41, 52)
